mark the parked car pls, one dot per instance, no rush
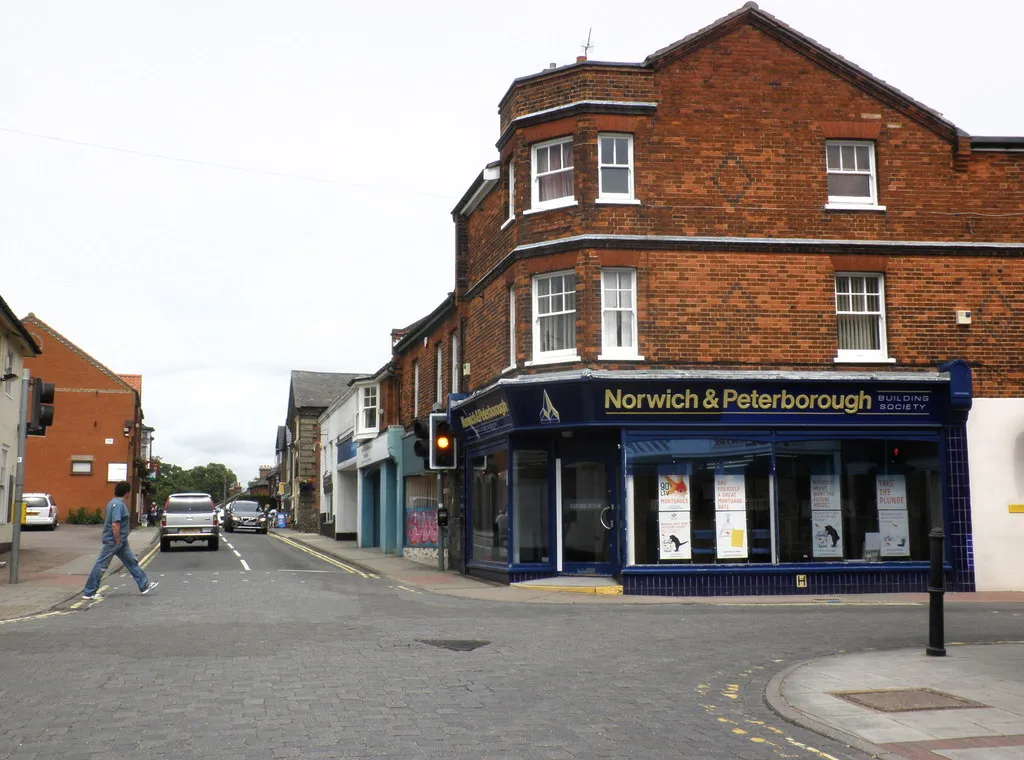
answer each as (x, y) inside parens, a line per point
(245, 515)
(40, 510)
(189, 517)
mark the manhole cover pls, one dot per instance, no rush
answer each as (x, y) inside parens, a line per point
(456, 645)
(905, 700)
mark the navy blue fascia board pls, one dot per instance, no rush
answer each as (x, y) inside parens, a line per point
(712, 403)
(961, 386)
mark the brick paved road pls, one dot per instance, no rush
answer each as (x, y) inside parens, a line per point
(297, 658)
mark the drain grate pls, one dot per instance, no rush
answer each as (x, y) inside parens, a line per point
(906, 700)
(456, 645)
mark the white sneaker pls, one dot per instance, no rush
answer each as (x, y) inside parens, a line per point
(152, 585)
(92, 597)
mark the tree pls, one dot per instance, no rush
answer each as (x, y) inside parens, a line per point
(214, 478)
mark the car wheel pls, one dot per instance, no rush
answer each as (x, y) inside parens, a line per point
(165, 544)
(214, 544)
(52, 526)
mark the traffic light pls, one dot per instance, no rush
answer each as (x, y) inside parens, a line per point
(442, 443)
(422, 445)
(42, 407)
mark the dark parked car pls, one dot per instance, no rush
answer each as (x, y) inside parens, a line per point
(245, 515)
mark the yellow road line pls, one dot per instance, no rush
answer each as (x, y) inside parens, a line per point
(324, 557)
(40, 616)
(146, 560)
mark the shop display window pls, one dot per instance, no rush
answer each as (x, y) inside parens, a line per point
(717, 501)
(856, 499)
(530, 489)
(701, 501)
(489, 518)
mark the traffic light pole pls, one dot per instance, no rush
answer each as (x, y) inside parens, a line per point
(19, 478)
(441, 529)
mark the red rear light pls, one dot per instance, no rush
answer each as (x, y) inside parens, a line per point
(215, 519)
(163, 521)
(51, 511)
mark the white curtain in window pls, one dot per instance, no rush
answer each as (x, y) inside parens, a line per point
(556, 310)
(858, 332)
(618, 309)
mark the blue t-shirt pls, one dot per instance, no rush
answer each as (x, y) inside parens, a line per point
(117, 512)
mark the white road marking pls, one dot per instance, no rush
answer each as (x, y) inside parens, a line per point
(245, 565)
(236, 552)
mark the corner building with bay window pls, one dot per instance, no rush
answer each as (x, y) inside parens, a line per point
(739, 319)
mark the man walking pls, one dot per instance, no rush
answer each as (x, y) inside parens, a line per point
(115, 543)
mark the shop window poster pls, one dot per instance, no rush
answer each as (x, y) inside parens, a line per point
(893, 523)
(675, 535)
(826, 517)
(674, 513)
(731, 516)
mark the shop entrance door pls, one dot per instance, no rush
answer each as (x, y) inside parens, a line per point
(589, 526)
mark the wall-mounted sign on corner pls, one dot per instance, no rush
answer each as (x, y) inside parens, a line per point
(1017, 509)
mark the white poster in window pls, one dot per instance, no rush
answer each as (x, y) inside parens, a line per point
(116, 472)
(674, 528)
(894, 527)
(730, 493)
(827, 532)
(673, 490)
(731, 534)
(824, 492)
(891, 492)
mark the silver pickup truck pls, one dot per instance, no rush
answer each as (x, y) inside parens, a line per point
(189, 517)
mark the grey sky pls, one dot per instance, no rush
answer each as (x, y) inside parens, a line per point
(214, 282)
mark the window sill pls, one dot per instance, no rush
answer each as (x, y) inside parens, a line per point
(553, 206)
(611, 201)
(508, 369)
(552, 360)
(619, 358)
(864, 360)
(853, 207)
(507, 222)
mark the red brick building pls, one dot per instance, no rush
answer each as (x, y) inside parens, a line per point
(97, 434)
(709, 306)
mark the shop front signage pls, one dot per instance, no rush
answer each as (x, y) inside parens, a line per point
(675, 402)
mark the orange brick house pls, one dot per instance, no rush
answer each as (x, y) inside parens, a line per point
(97, 435)
(737, 319)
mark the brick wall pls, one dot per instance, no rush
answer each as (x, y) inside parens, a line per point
(735, 149)
(90, 408)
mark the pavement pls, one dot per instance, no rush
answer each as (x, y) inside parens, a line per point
(53, 567)
(967, 705)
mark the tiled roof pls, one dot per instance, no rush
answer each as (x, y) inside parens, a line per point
(319, 389)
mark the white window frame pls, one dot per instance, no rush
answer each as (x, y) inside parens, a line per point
(607, 197)
(416, 389)
(881, 354)
(854, 202)
(455, 362)
(511, 328)
(81, 467)
(619, 352)
(439, 380)
(511, 194)
(536, 204)
(369, 400)
(557, 355)
(9, 370)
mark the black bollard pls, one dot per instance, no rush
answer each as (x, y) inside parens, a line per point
(936, 589)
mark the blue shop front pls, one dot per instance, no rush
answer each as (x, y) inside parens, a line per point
(705, 483)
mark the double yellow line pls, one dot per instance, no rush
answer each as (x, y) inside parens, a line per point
(329, 560)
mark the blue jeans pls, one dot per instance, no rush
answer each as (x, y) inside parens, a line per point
(128, 559)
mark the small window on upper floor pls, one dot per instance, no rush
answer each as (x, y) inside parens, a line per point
(368, 414)
(455, 362)
(618, 314)
(8, 371)
(415, 389)
(615, 168)
(860, 315)
(852, 179)
(554, 318)
(552, 180)
(439, 374)
(511, 193)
